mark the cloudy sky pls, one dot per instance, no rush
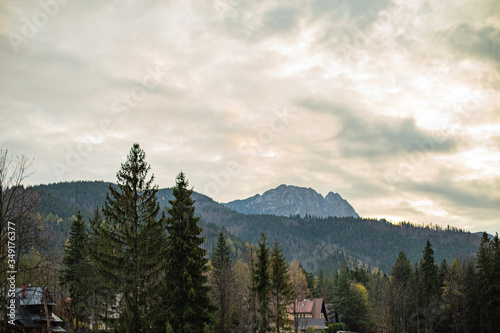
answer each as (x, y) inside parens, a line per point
(394, 105)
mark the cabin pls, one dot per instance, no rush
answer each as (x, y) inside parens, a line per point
(309, 312)
(30, 312)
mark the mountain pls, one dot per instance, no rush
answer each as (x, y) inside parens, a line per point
(315, 242)
(293, 200)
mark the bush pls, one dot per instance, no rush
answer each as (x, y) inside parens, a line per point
(335, 327)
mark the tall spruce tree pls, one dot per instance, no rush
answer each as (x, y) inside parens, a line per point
(102, 294)
(76, 273)
(431, 295)
(429, 274)
(495, 251)
(222, 283)
(401, 293)
(134, 238)
(486, 273)
(282, 289)
(188, 304)
(262, 285)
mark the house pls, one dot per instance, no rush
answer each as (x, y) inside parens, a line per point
(30, 312)
(309, 312)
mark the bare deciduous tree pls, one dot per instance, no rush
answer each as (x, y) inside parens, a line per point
(18, 205)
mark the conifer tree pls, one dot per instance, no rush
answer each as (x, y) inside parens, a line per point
(222, 282)
(188, 304)
(401, 293)
(262, 285)
(134, 238)
(77, 269)
(351, 300)
(282, 289)
(429, 274)
(495, 251)
(103, 294)
(486, 271)
(431, 295)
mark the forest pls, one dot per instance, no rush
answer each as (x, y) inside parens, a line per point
(315, 242)
(134, 263)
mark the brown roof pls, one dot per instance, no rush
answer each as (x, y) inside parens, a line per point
(309, 306)
(318, 303)
(304, 306)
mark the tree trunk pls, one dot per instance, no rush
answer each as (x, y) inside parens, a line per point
(46, 308)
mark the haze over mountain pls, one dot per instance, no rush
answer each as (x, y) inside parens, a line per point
(286, 200)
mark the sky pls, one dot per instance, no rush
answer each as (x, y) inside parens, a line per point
(395, 105)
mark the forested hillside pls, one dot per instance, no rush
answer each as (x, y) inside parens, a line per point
(60, 202)
(315, 242)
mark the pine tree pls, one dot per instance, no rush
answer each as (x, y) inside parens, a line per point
(282, 289)
(262, 285)
(222, 282)
(134, 238)
(442, 272)
(495, 252)
(429, 274)
(431, 295)
(77, 269)
(488, 265)
(188, 304)
(103, 294)
(401, 293)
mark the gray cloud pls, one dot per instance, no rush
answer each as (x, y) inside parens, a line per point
(281, 19)
(377, 137)
(471, 198)
(483, 43)
(368, 88)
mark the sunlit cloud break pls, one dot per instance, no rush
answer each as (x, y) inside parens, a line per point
(394, 105)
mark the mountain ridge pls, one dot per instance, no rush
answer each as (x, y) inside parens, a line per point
(290, 200)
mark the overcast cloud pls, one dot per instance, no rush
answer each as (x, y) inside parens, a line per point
(395, 105)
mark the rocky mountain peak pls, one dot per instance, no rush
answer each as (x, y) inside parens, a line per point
(286, 200)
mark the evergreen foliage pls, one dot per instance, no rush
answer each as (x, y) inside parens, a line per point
(222, 281)
(102, 294)
(351, 300)
(262, 285)
(400, 293)
(77, 272)
(282, 290)
(488, 266)
(429, 274)
(188, 304)
(134, 237)
(428, 277)
(314, 242)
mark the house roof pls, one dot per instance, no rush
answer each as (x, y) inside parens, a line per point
(57, 328)
(32, 296)
(308, 306)
(318, 304)
(319, 323)
(25, 319)
(303, 306)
